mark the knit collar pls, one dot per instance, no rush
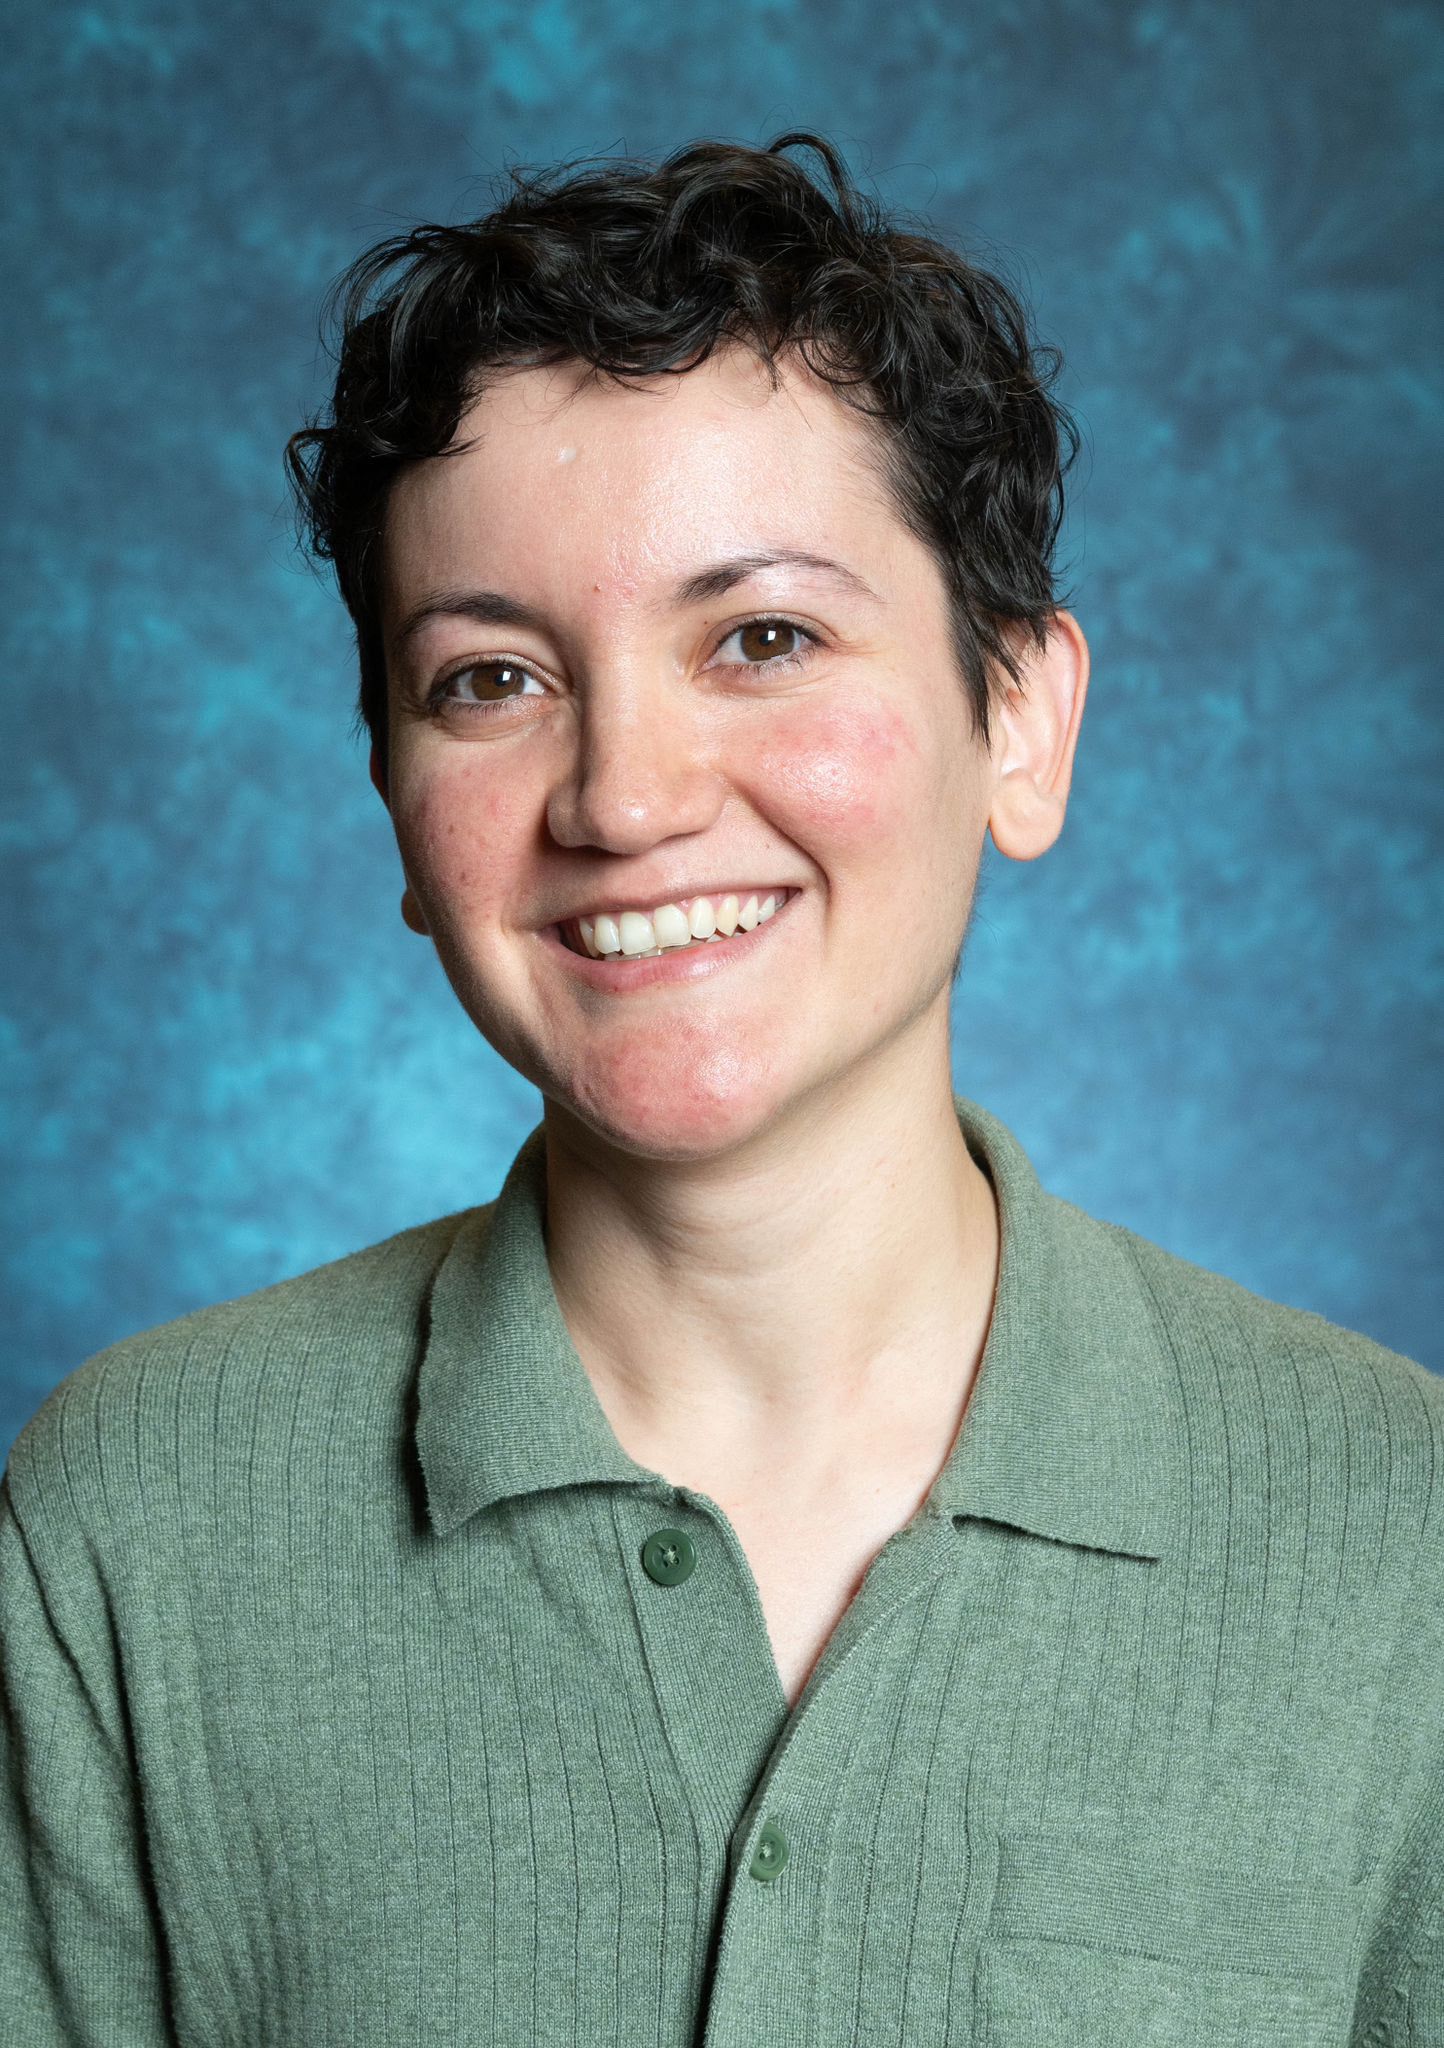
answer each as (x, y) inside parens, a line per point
(1071, 1431)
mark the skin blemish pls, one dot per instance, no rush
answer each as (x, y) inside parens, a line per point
(566, 455)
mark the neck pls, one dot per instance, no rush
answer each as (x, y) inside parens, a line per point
(825, 1287)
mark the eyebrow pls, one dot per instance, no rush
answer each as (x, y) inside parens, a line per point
(495, 608)
(484, 607)
(717, 580)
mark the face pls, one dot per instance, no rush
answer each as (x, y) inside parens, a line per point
(649, 643)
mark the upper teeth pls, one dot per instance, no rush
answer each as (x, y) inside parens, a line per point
(706, 917)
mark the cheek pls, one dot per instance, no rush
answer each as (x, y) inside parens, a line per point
(849, 776)
(462, 832)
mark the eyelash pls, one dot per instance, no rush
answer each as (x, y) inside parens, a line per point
(438, 701)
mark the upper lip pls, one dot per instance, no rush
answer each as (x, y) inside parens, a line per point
(607, 906)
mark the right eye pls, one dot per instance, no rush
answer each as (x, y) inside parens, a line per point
(495, 683)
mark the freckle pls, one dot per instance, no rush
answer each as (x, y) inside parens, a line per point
(566, 455)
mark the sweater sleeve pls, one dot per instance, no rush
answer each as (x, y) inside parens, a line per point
(81, 1951)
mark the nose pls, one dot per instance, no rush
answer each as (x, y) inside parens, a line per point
(644, 769)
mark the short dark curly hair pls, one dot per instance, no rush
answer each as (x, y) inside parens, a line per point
(637, 269)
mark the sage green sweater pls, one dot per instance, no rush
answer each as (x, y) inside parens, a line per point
(358, 1687)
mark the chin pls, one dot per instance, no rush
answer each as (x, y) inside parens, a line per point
(682, 1110)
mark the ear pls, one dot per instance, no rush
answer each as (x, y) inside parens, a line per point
(377, 773)
(1034, 740)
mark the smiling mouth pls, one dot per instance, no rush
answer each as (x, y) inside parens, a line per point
(679, 927)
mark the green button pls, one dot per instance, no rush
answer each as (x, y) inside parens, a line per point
(769, 1858)
(668, 1556)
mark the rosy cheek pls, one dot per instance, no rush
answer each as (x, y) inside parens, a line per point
(847, 774)
(464, 829)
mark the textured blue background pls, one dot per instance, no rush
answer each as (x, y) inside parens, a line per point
(1212, 1013)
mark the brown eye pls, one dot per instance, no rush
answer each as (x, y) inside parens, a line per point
(486, 683)
(493, 679)
(763, 641)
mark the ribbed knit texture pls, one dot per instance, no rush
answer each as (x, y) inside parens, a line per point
(340, 1705)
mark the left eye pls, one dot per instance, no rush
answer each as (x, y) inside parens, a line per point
(763, 640)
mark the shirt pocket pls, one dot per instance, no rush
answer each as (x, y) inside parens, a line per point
(1097, 1943)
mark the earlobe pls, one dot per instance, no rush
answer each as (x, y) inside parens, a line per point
(1038, 738)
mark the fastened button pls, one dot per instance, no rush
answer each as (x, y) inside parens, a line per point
(668, 1556)
(769, 1858)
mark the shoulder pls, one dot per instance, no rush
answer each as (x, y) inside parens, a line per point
(1222, 1326)
(1315, 1417)
(324, 1356)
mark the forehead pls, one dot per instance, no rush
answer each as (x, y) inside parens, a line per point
(569, 479)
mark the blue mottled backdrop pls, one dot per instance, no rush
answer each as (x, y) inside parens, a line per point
(1213, 1012)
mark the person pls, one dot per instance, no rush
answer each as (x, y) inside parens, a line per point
(775, 1571)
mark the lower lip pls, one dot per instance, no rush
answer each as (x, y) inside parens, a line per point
(682, 963)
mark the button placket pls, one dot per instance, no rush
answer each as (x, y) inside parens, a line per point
(710, 1665)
